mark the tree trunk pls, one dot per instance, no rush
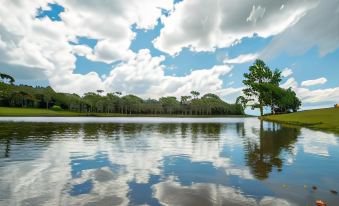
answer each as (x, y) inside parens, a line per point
(272, 106)
(261, 109)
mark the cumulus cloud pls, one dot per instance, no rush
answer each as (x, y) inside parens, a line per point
(286, 72)
(318, 27)
(110, 22)
(318, 96)
(243, 58)
(56, 162)
(144, 74)
(326, 96)
(317, 143)
(290, 83)
(205, 25)
(82, 50)
(313, 82)
(173, 193)
(43, 47)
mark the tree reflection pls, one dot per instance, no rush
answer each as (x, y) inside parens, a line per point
(167, 128)
(197, 130)
(264, 154)
(20, 134)
(44, 133)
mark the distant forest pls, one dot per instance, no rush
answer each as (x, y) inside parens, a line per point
(12, 95)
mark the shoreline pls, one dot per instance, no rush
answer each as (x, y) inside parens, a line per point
(36, 112)
(318, 119)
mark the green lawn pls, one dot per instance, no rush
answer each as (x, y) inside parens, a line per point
(30, 112)
(324, 119)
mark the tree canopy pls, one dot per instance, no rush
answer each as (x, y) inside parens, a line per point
(262, 90)
(45, 97)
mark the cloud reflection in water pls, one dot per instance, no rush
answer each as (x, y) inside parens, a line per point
(242, 162)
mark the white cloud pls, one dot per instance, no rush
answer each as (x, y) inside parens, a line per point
(317, 143)
(313, 82)
(76, 83)
(243, 58)
(43, 47)
(229, 91)
(54, 164)
(82, 50)
(110, 22)
(286, 72)
(173, 193)
(144, 75)
(109, 51)
(203, 25)
(327, 96)
(291, 82)
(318, 28)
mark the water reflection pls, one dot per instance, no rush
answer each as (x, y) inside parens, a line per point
(242, 162)
(264, 153)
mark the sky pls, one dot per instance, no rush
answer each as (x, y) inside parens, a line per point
(155, 48)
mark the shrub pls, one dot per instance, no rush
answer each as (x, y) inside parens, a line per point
(56, 108)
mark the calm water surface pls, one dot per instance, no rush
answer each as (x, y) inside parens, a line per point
(164, 161)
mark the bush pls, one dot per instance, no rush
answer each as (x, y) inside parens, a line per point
(56, 108)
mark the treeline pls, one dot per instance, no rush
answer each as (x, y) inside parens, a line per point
(45, 97)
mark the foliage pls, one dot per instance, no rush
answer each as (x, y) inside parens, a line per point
(262, 89)
(56, 108)
(96, 102)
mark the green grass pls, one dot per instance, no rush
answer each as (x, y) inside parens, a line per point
(322, 119)
(30, 112)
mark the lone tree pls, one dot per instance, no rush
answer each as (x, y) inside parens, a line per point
(259, 75)
(262, 89)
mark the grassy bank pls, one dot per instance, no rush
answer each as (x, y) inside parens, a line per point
(322, 119)
(30, 112)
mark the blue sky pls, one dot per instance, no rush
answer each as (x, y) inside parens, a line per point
(171, 47)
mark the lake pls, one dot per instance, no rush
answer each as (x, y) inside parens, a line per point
(164, 161)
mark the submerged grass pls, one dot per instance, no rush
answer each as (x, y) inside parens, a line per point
(322, 119)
